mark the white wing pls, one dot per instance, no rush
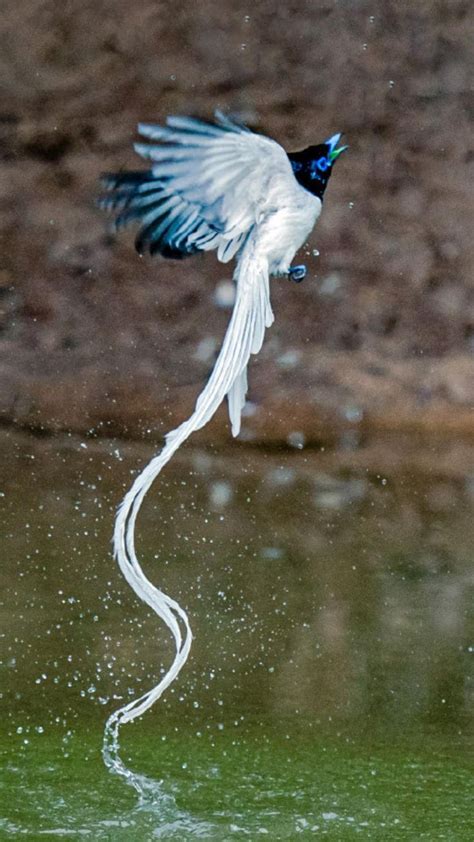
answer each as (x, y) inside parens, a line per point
(209, 186)
(206, 188)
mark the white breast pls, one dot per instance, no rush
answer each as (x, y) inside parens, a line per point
(284, 229)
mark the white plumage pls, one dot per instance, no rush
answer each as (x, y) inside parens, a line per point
(220, 187)
(216, 187)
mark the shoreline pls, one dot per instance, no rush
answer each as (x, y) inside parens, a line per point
(321, 398)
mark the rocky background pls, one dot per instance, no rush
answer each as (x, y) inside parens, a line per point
(380, 334)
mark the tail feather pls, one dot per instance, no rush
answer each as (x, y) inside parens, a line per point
(236, 400)
(244, 336)
(262, 318)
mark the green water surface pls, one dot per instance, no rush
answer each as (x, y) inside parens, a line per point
(329, 686)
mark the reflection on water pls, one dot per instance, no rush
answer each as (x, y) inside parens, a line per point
(329, 595)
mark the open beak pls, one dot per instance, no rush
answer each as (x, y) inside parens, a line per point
(333, 151)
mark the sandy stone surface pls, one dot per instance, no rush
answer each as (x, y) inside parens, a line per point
(380, 334)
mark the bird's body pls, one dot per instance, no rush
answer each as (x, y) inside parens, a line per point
(221, 187)
(284, 227)
(212, 187)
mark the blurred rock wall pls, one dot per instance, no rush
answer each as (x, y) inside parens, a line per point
(382, 330)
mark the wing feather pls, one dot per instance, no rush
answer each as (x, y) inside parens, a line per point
(219, 175)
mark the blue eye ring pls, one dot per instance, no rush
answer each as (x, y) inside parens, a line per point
(322, 164)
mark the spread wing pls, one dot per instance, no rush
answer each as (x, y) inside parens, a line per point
(205, 190)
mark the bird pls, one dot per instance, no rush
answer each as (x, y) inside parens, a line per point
(211, 185)
(219, 186)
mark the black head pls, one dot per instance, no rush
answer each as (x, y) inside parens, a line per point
(313, 166)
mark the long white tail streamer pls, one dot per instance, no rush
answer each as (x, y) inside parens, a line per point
(244, 336)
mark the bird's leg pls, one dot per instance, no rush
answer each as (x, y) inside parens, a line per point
(297, 273)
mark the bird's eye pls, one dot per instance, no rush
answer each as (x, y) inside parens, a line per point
(322, 164)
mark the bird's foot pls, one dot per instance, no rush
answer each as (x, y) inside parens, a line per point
(297, 273)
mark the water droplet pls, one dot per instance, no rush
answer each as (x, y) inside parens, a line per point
(272, 553)
(173, 77)
(353, 413)
(372, 19)
(364, 46)
(220, 494)
(351, 205)
(315, 253)
(243, 47)
(246, 18)
(224, 294)
(290, 358)
(391, 83)
(296, 439)
(206, 349)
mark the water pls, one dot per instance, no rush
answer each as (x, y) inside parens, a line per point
(328, 689)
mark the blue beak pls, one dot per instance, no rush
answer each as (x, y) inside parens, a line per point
(332, 143)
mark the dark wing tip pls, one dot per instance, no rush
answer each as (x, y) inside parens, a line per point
(166, 227)
(145, 243)
(128, 178)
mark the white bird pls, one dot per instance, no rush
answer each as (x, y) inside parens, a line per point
(216, 187)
